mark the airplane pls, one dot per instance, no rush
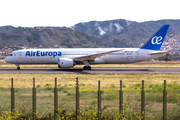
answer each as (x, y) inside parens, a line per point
(69, 57)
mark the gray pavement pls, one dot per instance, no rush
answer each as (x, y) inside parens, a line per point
(93, 71)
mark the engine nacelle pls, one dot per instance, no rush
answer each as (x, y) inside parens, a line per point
(65, 62)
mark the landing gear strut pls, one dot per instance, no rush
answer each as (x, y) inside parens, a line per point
(18, 68)
(87, 68)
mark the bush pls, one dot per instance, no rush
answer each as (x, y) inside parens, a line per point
(167, 59)
(48, 85)
(38, 86)
(113, 85)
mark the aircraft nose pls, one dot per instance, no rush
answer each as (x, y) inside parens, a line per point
(6, 59)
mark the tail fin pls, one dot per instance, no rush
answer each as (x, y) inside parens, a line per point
(156, 41)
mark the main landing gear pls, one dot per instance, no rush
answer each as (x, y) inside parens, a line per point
(87, 68)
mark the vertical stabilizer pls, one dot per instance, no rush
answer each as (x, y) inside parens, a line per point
(156, 41)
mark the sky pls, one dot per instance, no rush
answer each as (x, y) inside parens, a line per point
(59, 13)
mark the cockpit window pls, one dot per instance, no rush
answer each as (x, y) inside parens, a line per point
(10, 54)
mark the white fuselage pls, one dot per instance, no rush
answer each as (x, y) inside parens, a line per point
(51, 56)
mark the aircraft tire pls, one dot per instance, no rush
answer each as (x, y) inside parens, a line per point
(18, 68)
(84, 68)
(87, 68)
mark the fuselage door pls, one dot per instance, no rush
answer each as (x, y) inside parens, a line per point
(136, 54)
(19, 55)
(130, 56)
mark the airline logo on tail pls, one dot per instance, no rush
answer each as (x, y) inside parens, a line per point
(156, 41)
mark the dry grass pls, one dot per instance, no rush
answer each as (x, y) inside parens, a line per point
(89, 97)
(88, 81)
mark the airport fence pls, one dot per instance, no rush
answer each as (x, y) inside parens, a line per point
(64, 103)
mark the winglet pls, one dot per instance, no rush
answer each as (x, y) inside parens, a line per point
(156, 41)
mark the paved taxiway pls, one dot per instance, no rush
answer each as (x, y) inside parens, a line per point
(93, 71)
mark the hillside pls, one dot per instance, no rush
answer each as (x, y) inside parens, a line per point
(50, 36)
(113, 33)
(129, 30)
(6, 27)
(47, 37)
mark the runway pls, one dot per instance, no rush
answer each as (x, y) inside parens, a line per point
(93, 71)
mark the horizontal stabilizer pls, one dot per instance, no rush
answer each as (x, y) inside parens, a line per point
(159, 52)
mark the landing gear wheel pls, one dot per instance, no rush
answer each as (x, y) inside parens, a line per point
(84, 68)
(18, 68)
(87, 68)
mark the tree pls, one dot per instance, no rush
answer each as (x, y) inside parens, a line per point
(166, 58)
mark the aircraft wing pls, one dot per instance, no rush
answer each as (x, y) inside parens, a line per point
(159, 52)
(95, 55)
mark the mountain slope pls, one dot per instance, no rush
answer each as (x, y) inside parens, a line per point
(128, 30)
(50, 36)
(112, 33)
(6, 27)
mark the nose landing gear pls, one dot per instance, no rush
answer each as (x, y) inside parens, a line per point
(18, 68)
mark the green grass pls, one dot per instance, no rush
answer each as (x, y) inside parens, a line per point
(88, 103)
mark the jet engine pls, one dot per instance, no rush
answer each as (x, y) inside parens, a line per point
(65, 62)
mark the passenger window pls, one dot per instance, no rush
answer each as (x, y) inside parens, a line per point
(10, 54)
